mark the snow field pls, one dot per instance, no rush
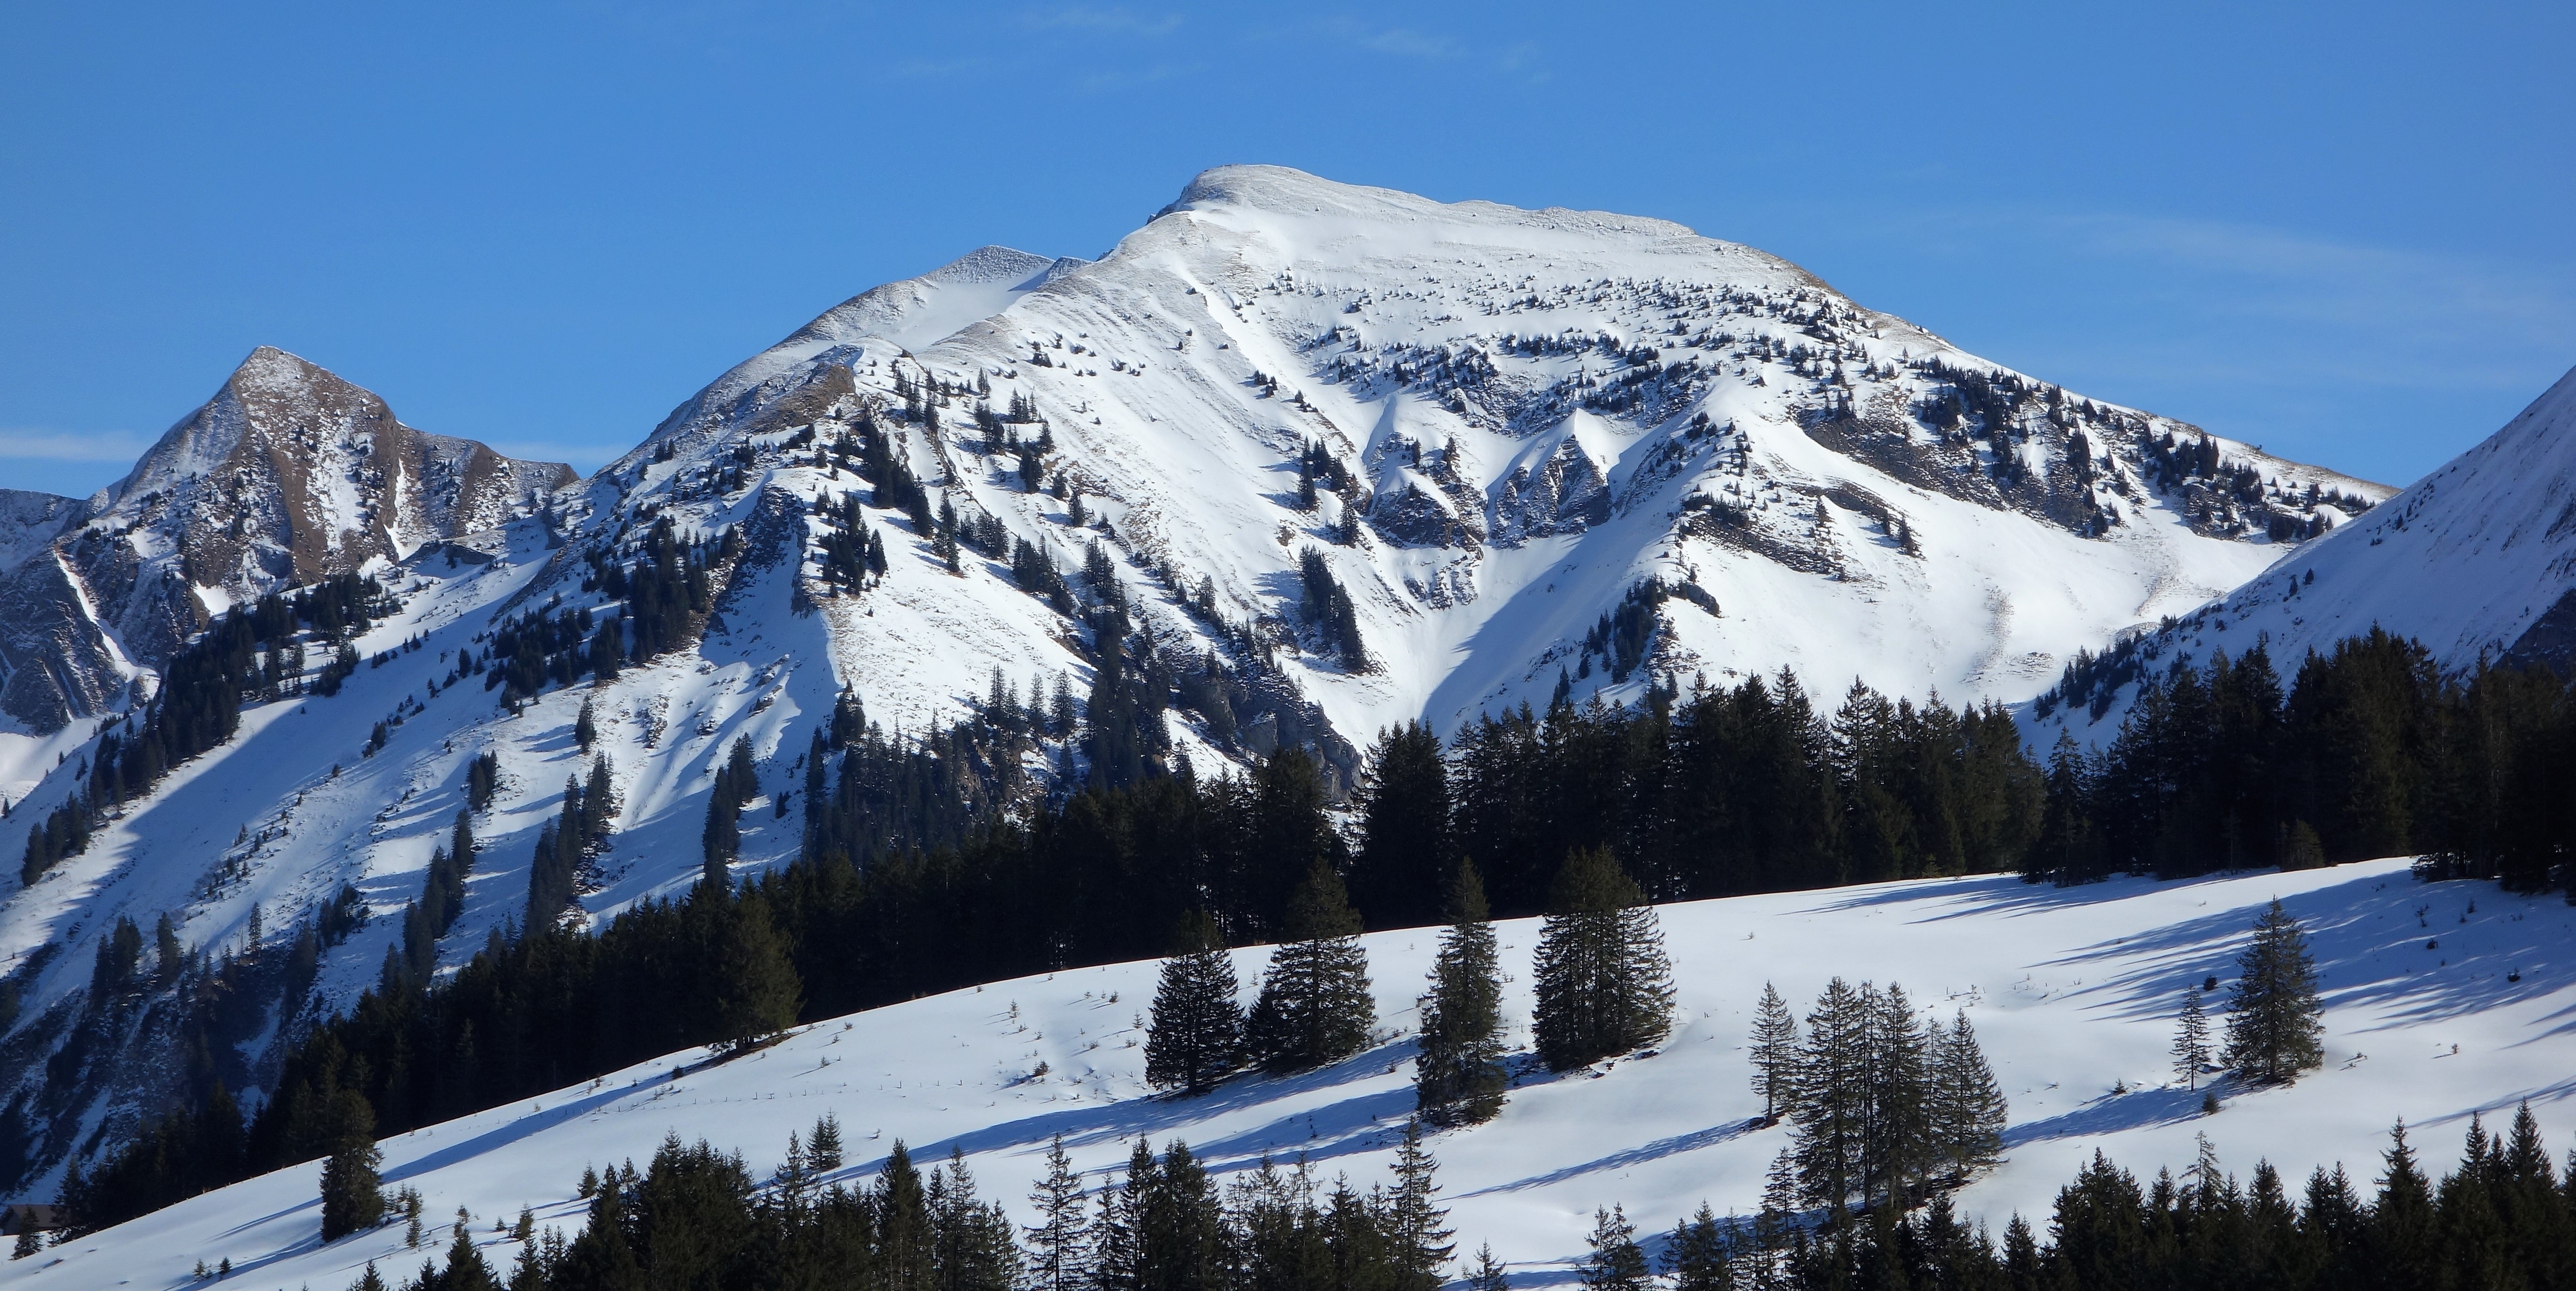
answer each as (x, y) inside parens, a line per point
(2072, 993)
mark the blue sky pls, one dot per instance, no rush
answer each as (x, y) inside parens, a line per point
(2341, 231)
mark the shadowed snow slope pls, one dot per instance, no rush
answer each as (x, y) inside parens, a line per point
(2072, 992)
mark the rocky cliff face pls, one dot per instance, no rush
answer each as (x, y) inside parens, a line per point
(287, 476)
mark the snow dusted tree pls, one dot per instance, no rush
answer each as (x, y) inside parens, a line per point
(1196, 1036)
(2273, 1026)
(2191, 1040)
(1458, 1076)
(1775, 1054)
(1315, 1006)
(1604, 985)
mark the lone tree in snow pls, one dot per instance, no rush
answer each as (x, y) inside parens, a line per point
(2273, 1015)
(2191, 1040)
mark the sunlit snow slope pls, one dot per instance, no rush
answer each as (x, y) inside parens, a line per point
(2072, 992)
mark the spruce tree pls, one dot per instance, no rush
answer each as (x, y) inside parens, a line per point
(1314, 1007)
(1421, 1246)
(2273, 1027)
(1967, 1107)
(1403, 860)
(352, 1193)
(1489, 1273)
(1832, 1109)
(1697, 1256)
(754, 983)
(1615, 1262)
(1774, 1046)
(585, 725)
(1898, 1133)
(1196, 1036)
(1603, 983)
(1458, 1076)
(1056, 1248)
(2191, 1040)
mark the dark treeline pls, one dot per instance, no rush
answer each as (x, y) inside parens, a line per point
(2504, 1218)
(2369, 750)
(697, 1217)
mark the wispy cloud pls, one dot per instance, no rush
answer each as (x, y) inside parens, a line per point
(63, 446)
(1116, 20)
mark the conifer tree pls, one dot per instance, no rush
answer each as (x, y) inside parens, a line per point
(1314, 1007)
(352, 1192)
(585, 725)
(1898, 1130)
(1967, 1107)
(1056, 1254)
(1489, 1273)
(1458, 1076)
(1603, 983)
(2191, 1040)
(1403, 859)
(1421, 1247)
(2273, 1026)
(2403, 1239)
(1697, 1257)
(1615, 1262)
(823, 1146)
(754, 982)
(1196, 1035)
(1831, 1112)
(1774, 1046)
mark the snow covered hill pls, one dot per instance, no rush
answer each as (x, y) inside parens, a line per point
(1544, 449)
(2476, 560)
(2072, 992)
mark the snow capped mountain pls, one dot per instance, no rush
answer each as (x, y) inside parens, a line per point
(1376, 457)
(1527, 420)
(2072, 993)
(287, 476)
(2476, 560)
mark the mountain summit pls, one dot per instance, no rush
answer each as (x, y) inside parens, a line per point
(287, 476)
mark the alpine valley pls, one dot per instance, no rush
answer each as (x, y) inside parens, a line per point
(1296, 462)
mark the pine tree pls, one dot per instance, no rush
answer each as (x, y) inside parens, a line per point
(1458, 1075)
(1832, 1107)
(352, 1192)
(1489, 1274)
(2402, 1240)
(1615, 1262)
(2191, 1040)
(755, 987)
(2274, 1030)
(1968, 1111)
(1420, 1245)
(1196, 1036)
(1315, 1006)
(1774, 1046)
(1603, 983)
(585, 725)
(1898, 1133)
(1056, 1251)
(1697, 1257)
(823, 1146)
(1404, 852)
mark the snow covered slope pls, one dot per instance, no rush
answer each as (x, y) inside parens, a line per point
(2476, 559)
(2072, 992)
(1529, 414)
(1548, 448)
